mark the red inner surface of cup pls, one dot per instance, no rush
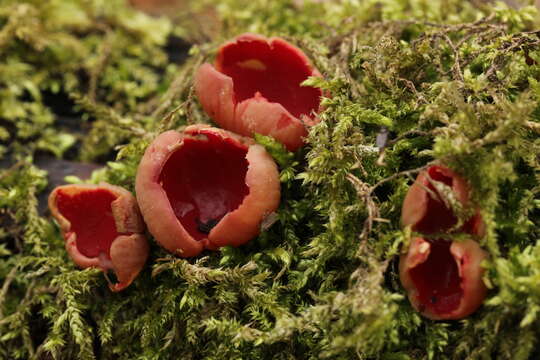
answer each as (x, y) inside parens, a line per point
(438, 217)
(89, 212)
(437, 279)
(274, 70)
(204, 179)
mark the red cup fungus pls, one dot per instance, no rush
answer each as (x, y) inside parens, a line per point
(425, 210)
(102, 228)
(254, 87)
(205, 188)
(443, 278)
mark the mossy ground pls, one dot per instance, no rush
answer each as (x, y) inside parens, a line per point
(453, 81)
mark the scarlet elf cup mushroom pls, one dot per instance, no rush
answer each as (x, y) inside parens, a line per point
(205, 188)
(102, 228)
(443, 278)
(254, 87)
(426, 210)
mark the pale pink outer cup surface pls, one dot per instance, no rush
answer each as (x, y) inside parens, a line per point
(235, 228)
(128, 253)
(215, 91)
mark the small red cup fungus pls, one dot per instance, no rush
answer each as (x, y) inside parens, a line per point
(443, 279)
(205, 188)
(102, 228)
(255, 88)
(425, 210)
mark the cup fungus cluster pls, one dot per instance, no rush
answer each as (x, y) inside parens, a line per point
(102, 228)
(202, 188)
(255, 87)
(205, 188)
(443, 278)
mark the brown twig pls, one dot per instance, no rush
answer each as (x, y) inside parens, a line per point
(178, 86)
(456, 68)
(373, 211)
(410, 85)
(408, 133)
(396, 175)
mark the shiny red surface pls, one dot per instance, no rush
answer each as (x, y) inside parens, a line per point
(275, 70)
(437, 279)
(90, 215)
(205, 180)
(438, 217)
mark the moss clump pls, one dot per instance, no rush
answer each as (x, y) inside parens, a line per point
(452, 81)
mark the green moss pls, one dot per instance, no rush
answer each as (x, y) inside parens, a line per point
(453, 81)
